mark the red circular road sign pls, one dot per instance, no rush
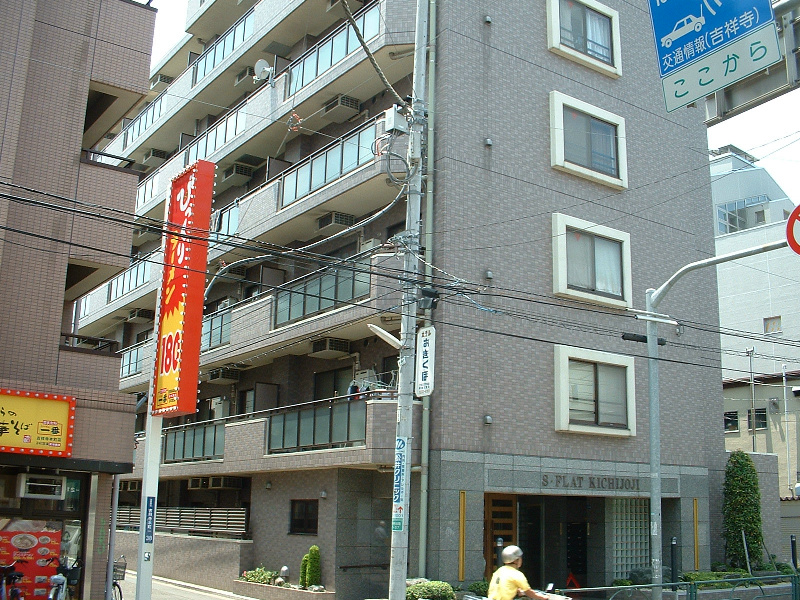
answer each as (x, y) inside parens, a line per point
(793, 229)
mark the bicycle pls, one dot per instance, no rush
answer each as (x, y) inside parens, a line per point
(66, 576)
(120, 565)
(8, 580)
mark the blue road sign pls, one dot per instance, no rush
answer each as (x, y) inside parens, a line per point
(686, 31)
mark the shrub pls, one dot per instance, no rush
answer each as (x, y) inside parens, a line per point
(479, 588)
(785, 568)
(314, 569)
(621, 582)
(432, 590)
(741, 509)
(304, 571)
(260, 575)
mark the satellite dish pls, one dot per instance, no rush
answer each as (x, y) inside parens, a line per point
(263, 71)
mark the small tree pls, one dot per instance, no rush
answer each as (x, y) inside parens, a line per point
(304, 571)
(314, 570)
(741, 509)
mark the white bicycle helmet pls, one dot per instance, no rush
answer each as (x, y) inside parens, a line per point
(510, 554)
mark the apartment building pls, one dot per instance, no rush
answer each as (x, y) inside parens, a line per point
(71, 71)
(559, 191)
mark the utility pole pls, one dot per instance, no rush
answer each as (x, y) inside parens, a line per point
(752, 420)
(398, 563)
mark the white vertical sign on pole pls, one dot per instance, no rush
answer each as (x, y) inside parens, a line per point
(426, 350)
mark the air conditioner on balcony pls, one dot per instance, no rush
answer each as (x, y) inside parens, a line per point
(341, 108)
(145, 234)
(198, 483)
(130, 485)
(336, 4)
(225, 483)
(236, 174)
(245, 76)
(154, 157)
(159, 82)
(44, 487)
(239, 272)
(329, 348)
(334, 222)
(369, 244)
(225, 375)
(141, 315)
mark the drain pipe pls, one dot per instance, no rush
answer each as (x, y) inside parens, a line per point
(428, 236)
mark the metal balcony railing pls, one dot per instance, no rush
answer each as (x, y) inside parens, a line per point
(224, 46)
(133, 359)
(89, 344)
(231, 522)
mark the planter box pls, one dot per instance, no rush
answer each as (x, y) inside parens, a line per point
(262, 591)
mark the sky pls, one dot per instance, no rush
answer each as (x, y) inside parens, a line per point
(770, 132)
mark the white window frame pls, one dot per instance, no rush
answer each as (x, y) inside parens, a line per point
(563, 354)
(560, 283)
(554, 38)
(725, 416)
(557, 103)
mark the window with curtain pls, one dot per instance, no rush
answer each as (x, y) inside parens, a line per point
(598, 394)
(590, 142)
(586, 30)
(594, 263)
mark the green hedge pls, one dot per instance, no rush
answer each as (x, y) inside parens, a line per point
(432, 590)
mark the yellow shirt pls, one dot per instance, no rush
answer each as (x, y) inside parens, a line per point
(505, 583)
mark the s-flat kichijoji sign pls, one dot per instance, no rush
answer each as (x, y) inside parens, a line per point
(180, 310)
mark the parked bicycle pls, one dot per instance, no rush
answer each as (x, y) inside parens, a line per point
(66, 577)
(120, 566)
(8, 581)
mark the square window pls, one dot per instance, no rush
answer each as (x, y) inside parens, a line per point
(591, 262)
(587, 141)
(304, 517)
(594, 392)
(586, 32)
(731, 421)
(760, 418)
(772, 325)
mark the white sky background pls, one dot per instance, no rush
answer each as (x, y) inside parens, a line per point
(770, 132)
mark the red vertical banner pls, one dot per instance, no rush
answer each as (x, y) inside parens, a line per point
(180, 316)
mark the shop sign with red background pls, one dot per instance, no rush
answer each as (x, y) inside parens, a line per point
(180, 315)
(36, 546)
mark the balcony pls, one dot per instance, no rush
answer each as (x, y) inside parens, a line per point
(216, 330)
(356, 430)
(136, 366)
(230, 522)
(224, 46)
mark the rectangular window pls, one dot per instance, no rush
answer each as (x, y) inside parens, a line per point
(591, 262)
(586, 32)
(304, 517)
(587, 141)
(594, 392)
(772, 325)
(731, 421)
(760, 418)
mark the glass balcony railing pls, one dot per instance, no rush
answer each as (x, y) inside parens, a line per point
(195, 441)
(216, 136)
(328, 164)
(318, 293)
(216, 329)
(224, 223)
(334, 49)
(147, 189)
(331, 423)
(223, 47)
(142, 121)
(130, 279)
(133, 358)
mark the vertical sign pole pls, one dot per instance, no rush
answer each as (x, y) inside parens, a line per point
(147, 519)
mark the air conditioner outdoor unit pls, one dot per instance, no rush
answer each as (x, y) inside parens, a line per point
(245, 76)
(369, 244)
(226, 302)
(334, 222)
(329, 348)
(225, 375)
(236, 174)
(225, 483)
(198, 483)
(141, 315)
(154, 157)
(159, 82)
(45, 487)
(341, 108)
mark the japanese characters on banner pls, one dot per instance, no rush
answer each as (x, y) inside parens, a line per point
(426, 346)
(36, 423)
(180, 313)
(38, 544)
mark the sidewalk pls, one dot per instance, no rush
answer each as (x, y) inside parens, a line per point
(168, 589)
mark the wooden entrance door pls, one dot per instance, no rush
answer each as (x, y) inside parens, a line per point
(500, 521)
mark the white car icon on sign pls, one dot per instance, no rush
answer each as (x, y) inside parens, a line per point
(682, 27)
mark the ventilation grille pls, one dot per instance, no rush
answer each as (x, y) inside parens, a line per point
(330, 348)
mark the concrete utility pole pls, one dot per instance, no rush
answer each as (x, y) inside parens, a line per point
(398, 564)
(652, 299)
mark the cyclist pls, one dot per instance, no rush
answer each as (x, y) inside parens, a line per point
(508, 581)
